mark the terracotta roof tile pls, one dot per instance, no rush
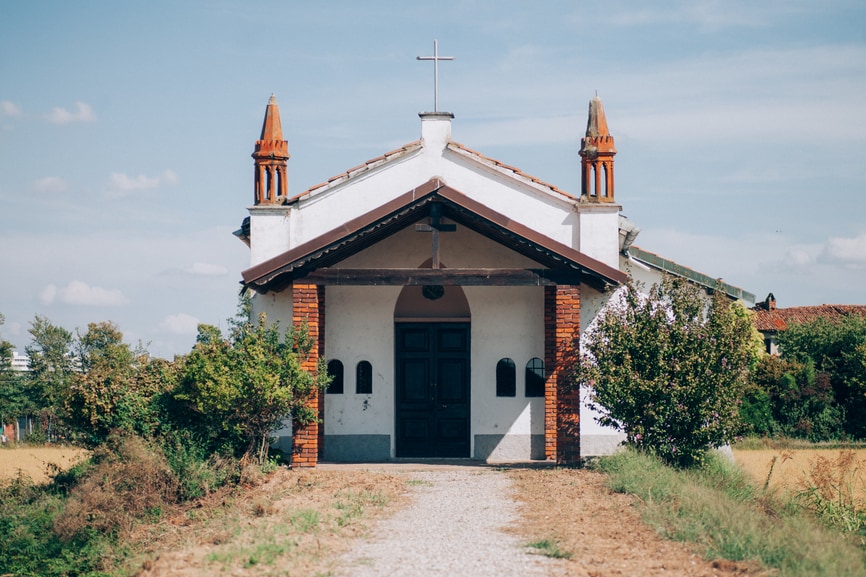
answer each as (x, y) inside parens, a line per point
(456, 145)
(780, 319)
(414, 146)
(372, 163)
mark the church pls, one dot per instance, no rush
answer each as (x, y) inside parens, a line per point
(447, 292)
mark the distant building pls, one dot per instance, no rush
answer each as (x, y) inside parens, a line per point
(770, 321)
(20, 362)
(19, 428)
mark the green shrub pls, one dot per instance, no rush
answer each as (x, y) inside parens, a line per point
(669, 368)
(30, 547)
(199, 472)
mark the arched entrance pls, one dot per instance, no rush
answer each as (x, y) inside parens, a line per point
(432, 357)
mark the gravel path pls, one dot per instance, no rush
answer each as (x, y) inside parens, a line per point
(453, 528)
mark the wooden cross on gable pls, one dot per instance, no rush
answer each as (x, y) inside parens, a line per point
(435, 227)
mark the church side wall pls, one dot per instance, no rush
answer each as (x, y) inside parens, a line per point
(595, 439)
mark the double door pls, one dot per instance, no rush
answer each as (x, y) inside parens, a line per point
(433, 390)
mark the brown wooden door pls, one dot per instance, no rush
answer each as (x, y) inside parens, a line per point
(432, 390)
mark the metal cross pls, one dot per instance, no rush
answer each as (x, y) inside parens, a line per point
(435, 58)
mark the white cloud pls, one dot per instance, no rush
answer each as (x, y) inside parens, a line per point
(82, 294)
(48, 294)
(207, 269)
(848, 252)
(8, 108)
(121, 184)
(180, 324)
(169, 177)
(50, 184)
(82, 113)
(797, 257)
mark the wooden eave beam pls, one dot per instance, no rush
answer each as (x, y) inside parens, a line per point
(445, 277)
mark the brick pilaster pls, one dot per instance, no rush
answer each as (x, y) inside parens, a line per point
(308, 307)
(561, 399)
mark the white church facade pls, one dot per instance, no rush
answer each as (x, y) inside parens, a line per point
(447, 292)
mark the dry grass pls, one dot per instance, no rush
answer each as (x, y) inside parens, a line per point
(792, 470)
(300, 520)
(37, 463)
(599, 533)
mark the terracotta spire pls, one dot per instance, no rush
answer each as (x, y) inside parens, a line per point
(271, 155)
(597, 151)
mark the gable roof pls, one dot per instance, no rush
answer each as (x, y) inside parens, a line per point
(775, 320)
(358, 170)
(367, 229)
(466, 151)
(411, 147)
(669, 266)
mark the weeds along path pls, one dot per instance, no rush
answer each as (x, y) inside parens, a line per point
(600, 533)
(454, 527)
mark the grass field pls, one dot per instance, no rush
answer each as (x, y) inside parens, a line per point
(36, 462)
(792, 469)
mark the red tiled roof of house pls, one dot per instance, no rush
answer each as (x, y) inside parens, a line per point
(780, 319)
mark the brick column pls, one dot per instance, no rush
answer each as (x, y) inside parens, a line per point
(561, 400)
(320, 345)
(308, 307)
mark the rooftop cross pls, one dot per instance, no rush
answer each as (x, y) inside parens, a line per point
(435, 58)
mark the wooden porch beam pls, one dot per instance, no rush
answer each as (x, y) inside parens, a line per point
(445, 277)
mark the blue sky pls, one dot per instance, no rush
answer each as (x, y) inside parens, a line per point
(126, 130)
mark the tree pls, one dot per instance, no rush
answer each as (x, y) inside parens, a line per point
(13, 397)
(837, 349)
(51, 367)
(669, 368)
(248, 383)
(117, 388)
(801, 400)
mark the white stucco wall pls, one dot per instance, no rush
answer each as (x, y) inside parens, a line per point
(598, 232)
(506, 322)
(359, 327)
(269, 232)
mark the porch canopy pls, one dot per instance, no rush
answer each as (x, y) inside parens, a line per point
(317, 262)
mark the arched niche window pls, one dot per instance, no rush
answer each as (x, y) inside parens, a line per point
(335, 371)
(535, 378)
(506, 378)
(364, 378)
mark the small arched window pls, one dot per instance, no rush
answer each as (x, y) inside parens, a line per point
(506, 378)
(535, 378)
(364, 378)
(335, 371)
